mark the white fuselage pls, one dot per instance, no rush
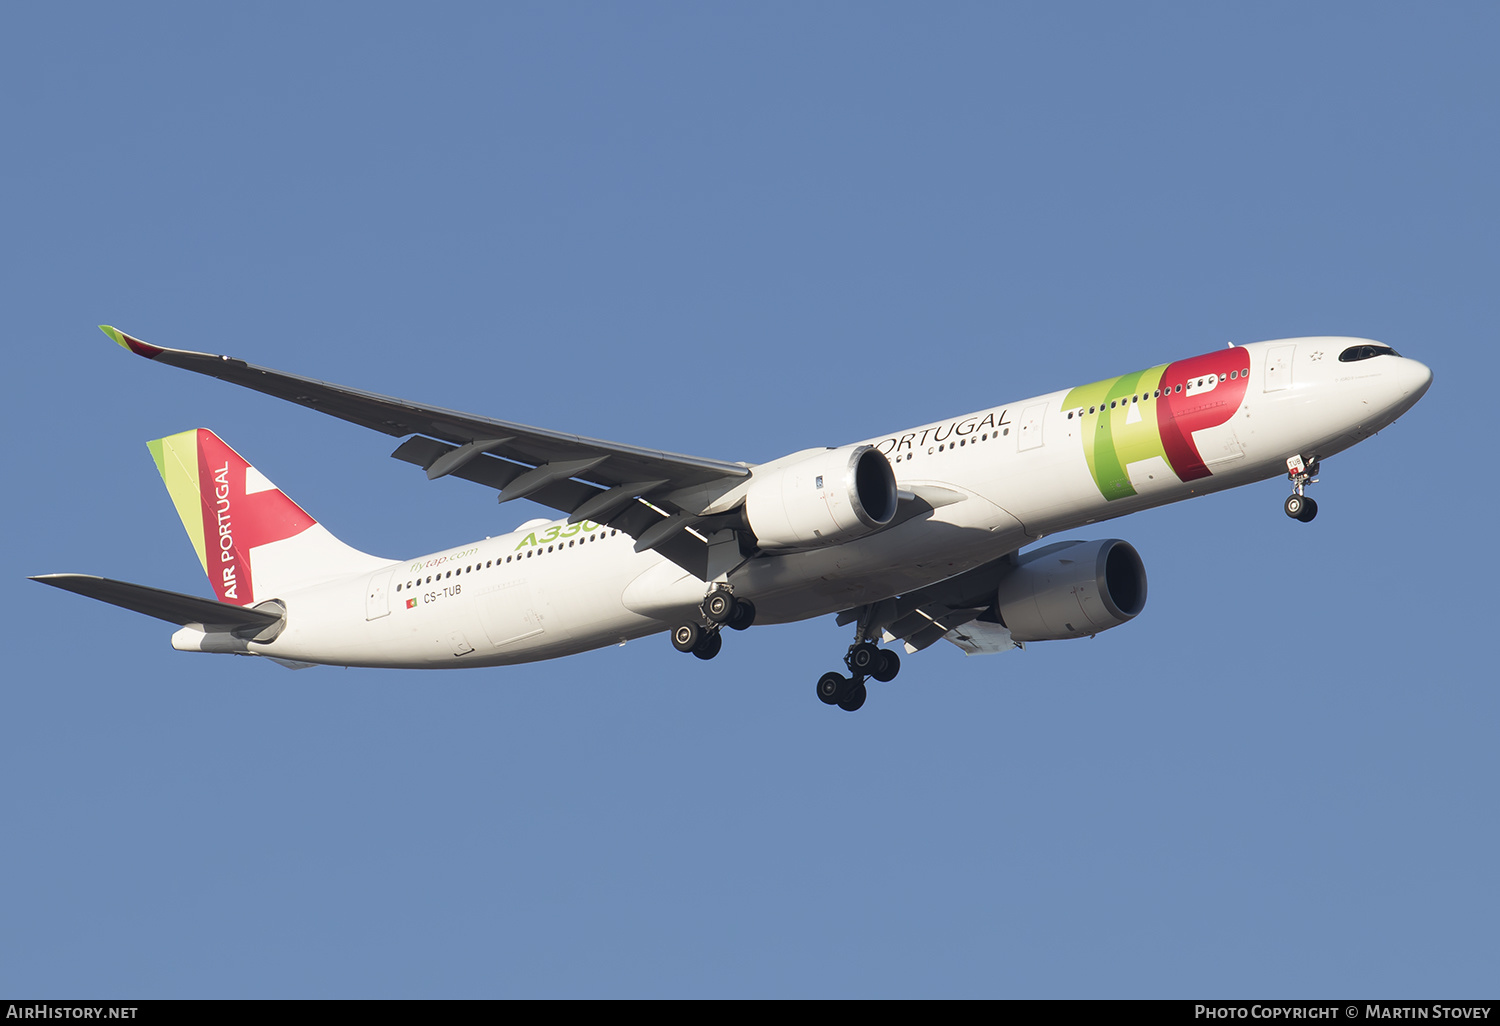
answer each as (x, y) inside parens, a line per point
(1020, 472)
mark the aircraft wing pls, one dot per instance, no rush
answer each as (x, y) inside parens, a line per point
(587, 478)
(960, 610)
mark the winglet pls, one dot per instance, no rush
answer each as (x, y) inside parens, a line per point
(135, 345)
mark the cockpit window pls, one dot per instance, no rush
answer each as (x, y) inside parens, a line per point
(1355, 353)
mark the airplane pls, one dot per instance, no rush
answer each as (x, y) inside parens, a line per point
(912, 537)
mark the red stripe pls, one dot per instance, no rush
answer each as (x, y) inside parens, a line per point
(1181, 414)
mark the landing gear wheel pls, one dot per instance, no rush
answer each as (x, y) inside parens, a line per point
(855, 698)
(864, 658)
(888, 666)
(1310, 510)
(719, 607)
(686, 637)
(709, 646)
(1296, 505)
(743, 616)
(831, 687)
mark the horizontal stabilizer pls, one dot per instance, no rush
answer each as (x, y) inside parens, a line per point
(171, 606)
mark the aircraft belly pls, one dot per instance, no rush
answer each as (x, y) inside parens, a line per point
(915, 554)
(562, 608)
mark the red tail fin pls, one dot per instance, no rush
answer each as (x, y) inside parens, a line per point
(252, 540)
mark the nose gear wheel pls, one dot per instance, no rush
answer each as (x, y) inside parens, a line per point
(1298, 505)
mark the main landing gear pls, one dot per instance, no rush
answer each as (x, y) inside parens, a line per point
(864, 659)
(1298, 506)
(719, 610)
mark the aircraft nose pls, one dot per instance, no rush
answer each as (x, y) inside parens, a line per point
(1416, 378)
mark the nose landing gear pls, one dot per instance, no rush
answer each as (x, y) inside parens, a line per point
(1299, 506)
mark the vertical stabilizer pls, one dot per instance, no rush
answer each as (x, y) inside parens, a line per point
(253, 541)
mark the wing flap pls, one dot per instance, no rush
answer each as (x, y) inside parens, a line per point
(959, 610)
(625, 512)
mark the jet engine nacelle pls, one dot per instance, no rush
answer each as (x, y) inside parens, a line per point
(826, 497)
(1072, 590)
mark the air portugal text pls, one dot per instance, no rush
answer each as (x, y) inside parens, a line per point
(226, 531)
(942, 432)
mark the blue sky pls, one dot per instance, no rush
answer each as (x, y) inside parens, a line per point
(737, 231)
